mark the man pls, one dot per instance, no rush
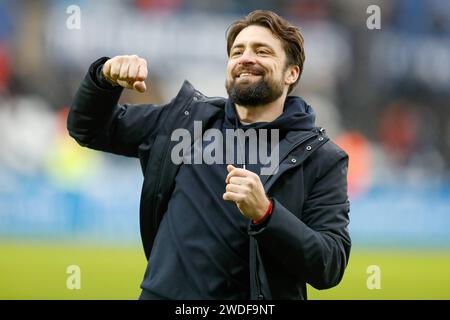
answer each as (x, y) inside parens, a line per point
(224, 230)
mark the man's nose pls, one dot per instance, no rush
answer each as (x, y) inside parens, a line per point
(247, 57)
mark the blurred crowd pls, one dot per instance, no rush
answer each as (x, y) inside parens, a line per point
(382, 94)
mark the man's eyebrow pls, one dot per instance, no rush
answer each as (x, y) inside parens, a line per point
(262, 44)
(238, 45)
(253, 44)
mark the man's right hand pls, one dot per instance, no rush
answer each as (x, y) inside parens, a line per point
(129, 72)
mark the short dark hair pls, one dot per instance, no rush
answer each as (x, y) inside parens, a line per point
(289, 35)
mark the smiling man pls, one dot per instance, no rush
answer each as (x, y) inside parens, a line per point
(223, 230)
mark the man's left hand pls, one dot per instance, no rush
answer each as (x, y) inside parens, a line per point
(246, 190)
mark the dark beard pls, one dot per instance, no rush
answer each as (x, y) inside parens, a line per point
(254, 94)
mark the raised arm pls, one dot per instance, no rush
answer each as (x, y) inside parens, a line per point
(97, 121)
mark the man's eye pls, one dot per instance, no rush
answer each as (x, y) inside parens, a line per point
(262, 52)
(235, 53)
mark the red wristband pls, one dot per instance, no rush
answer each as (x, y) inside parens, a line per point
(268, 213)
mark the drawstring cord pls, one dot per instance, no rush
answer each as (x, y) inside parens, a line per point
(237, 122)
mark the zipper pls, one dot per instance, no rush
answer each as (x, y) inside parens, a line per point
(253, 243)
(257, 283)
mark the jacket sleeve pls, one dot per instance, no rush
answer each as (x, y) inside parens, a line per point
(315, 248)
(97, 121)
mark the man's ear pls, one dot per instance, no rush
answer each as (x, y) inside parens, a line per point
(292, 74)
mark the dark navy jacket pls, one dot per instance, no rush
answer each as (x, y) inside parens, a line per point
(305, 240)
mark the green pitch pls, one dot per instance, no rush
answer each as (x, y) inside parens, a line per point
(38, 271)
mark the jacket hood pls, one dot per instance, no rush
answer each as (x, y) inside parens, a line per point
(297, 115)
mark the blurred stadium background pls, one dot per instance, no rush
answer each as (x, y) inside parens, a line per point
(383, 95)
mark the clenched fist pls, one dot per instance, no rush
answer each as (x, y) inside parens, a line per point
(129, 72)
(247, 191)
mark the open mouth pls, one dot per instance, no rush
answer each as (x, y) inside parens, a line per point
(247, 75)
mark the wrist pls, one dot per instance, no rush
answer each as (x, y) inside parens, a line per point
(106, 79)
(266, 213)
(103, 80)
